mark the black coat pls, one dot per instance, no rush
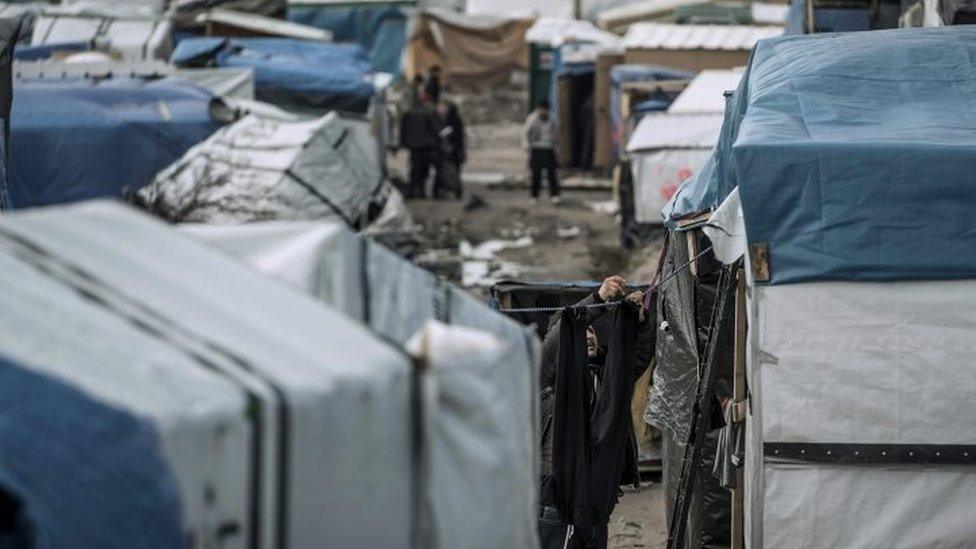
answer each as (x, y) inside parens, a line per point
(419, 128)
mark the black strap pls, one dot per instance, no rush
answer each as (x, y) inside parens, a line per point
(843, 453)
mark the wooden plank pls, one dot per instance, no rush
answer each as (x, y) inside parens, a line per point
(693, 219)
(739, 396)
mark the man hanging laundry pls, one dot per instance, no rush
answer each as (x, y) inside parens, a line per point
(588, 442)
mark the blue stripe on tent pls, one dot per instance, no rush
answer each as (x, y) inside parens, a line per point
(75, 472)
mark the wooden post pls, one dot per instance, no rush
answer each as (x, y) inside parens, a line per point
(739, 402)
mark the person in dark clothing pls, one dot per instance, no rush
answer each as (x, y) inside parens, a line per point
(540, 141)
(419, 133)
(452, 151)
(617, 456)
(432, 86)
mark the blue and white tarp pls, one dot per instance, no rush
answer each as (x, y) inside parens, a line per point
(78, 139)
(77, 472)
(379, 27)
(853, 154)
(299, 73)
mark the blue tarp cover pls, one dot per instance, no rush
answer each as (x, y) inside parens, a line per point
(77, 139)
(75, 472)
(296, 72)
(854, 155)
(37, 53)
(381, 28)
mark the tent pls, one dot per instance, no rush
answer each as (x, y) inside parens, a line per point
(330, 458)
(305, 75)
(561, 9)
(379, 27)
(132, 37)
(46, 426)
(670, 147)
(544, 38)
(75, 139)
(486, 496)
(469, 49)
(261, 169)
(621, 123)
(858, 294)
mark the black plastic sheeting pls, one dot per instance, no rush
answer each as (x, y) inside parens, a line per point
(685, 308)
(633, 234)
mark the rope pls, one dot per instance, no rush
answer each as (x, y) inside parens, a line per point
(607, 304)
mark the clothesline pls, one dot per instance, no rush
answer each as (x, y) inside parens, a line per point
(607, 304)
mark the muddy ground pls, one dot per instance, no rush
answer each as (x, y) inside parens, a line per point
(576, 240)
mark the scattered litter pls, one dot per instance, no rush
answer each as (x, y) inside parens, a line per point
(475, 203)
(568, 232)
(608, 207)
(488, 249)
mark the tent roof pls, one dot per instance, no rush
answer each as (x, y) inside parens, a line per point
(259, 169)
(854, 155)
(670, 36)
(675, 131)
(706, 93)
(263, 25)
(551, 31)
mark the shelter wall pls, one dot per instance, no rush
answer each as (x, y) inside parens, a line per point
(691, 60)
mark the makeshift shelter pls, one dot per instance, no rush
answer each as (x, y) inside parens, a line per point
(559, 9)
(330, 456)
(46, 428)
(668, 148)
(544, 37)
(618, 19)
(295, 73)
(851, 395)
(76, 139)
(693, 47)
(484, 433)
(130, 37)
(659, 84)
(263, 169)
(477, 50)
(225, 22)
(378, 26)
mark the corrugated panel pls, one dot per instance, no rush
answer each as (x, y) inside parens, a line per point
(692, 37)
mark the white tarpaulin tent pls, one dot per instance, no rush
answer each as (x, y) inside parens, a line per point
(855, 363)
(397, 299)
(46, 321)
(670, 147)
(261, 169)
(132, 37)
(666, 149)
(332, 400)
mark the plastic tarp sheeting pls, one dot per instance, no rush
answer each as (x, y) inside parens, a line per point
(305, 74)
(469, 49)
(675, 131)
(133, 38)
(657, 176)
(125, 494)
(868, 362)
(379, 27)
(706, 93)
(91, 344)
(260, 169)
(397, 300)
(333, 399)
(76, 139)
(841, 176)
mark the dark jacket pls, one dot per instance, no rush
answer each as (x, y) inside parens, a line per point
(419, 128)
(644, 353)
(452, 137)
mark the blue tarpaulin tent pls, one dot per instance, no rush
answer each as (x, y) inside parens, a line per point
(297, 73)
(78, 139)
(75, 472)
(845, 149)
(379, 27)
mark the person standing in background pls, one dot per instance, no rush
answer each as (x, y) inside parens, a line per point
(539, 139)
(419, 133)
(452, 150)
(432, 86)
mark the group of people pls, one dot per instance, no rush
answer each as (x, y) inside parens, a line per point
(433, 131)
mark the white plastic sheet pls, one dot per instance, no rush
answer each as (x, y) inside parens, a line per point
(657, 175)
